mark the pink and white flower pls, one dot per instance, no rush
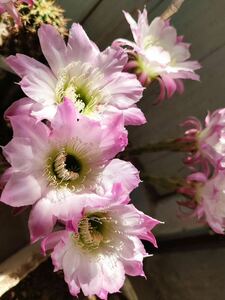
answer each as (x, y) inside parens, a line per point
(207, 199)
(65, 165)
(208, 143)
(93, 80)
(9, 7)
(100, 247)
(158, 53)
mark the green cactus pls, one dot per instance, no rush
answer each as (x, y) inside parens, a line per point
(23, 39)
(42, 11)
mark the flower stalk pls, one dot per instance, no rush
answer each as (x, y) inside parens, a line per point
(129, 291)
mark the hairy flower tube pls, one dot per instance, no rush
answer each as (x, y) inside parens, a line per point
(158, 53)
(206, 197)
(93, 80)
(101, 246)
(9, 7)
(68, 161)
(206, 145)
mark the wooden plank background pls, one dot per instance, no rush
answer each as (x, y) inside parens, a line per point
(202, 22)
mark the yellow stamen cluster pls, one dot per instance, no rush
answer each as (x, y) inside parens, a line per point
(93, 231)
(80, 83)
(61, 168)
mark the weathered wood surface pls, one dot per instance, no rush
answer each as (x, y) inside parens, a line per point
(107, 22)
(195, 275)
(78, 10)
(17, 267)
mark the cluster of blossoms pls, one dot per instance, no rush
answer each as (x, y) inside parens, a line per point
(66, 135)
(206, 157)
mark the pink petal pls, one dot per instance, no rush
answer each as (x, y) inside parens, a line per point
(65, 118)
(103, 294)
(89, 276)
(180, 53)
(133, 268)
(118, 171)
(113, 274)
(80, 48)
(29, 128)
(53, 47)
(136, 223)
(162, 93)
(114, 137)
(200, 177)
(119, 194)
(69, 123)
(132, 23)
(111, 61)
(156, 27)
(35, 77)
(70, 263)
(73, 287)
(126, 90)
(41, 220)
(180, 86)
(19, 154)
(170, 85)
(23, 106)
(58, 253)
(21, 190)
(51, 240)
(169, 36)
(134, 116)
(30, 2)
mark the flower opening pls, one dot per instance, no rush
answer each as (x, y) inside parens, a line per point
(79, 82)
(94, 231)
(72, 165)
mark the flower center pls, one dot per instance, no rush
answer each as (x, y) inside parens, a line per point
(80, 82)
(66, 167)
(74, 165)
(156, 57)
(93, 231)
(148, 42)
